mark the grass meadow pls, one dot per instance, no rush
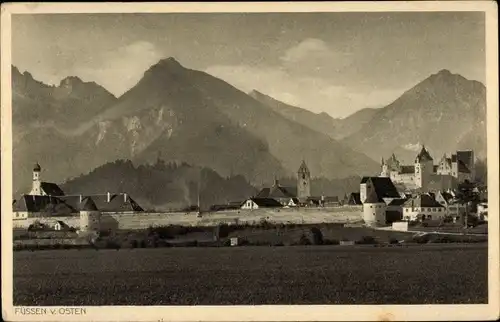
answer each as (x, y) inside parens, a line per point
(362, 274)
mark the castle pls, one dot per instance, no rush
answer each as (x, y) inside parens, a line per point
(425, 175)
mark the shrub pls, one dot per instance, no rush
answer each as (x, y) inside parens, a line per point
(366, 240)
(393, 240)
(317, 236)
(331, 242)
(304, 240)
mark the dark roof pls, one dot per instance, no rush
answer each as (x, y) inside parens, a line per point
(277, 191)
(266, 202)
(354, 199)
(364, 180)
(407, 169)
(446, 196)
(462, 167)
(37, 167)
(423, 155)
(435, 168)
(423, 200)
(88, 205)
(71, 204)
(453, 158)
(384, 187)
(117, 202)
(48, 204)
(51, 189)
(331, 199)
(372, 197)
(397, 202)
(467, 157)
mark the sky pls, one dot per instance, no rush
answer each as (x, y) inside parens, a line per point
(336, 63)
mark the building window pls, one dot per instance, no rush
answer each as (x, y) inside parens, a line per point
(439, 209)
(371, 206)
(429, 209)
(407, 209)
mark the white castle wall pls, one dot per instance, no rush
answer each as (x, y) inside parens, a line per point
(343, 214)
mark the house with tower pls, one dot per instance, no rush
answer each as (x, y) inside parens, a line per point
(300, 195)
(47, 199)
(426, 176)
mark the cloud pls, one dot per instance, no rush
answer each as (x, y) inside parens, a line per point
(313, 93)
(120, 69)
(314, 56)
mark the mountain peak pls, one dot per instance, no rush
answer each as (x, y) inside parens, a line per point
(170, 62)
(168, 65)
(444, 72)
(70, 80)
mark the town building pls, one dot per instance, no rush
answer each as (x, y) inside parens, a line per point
(300, 195)
(259, 203)
(383, 186)
(423, 207)
(426, 176)
(374, 209)
(48, 200)
(447, 199)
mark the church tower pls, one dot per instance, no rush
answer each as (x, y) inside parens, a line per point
(424, 168)
(37, 186)
(303, 182)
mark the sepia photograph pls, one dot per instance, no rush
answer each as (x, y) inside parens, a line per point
(249, 157)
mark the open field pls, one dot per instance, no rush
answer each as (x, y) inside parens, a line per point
(448, 274)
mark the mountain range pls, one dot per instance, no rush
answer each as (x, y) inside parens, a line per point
(336, 128)
(445, 112)
(180, 114)
(185, 115)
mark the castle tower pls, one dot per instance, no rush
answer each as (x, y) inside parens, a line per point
(385, 169)
(374, 210)
(424, 168)
(90, 216)
(303, 182)
(37, 184)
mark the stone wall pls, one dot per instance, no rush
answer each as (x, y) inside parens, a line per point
(342, 214)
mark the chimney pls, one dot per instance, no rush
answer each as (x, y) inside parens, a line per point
(124, 197)
(109, 197)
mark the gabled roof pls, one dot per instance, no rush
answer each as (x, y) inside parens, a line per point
(51, 189)
(266, 202)
(277, 191)
(397, 202)
(354, 199)
(88, 205)
(373, 197)
(423, 155)
(47, 204)
(446, 196)
(117, 202)
(384, 187)
(422, 200)
(303, 167)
